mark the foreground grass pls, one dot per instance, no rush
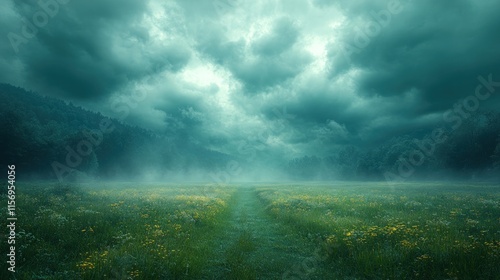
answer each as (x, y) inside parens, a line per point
(409, 231)
(104, 232)
(361, 231)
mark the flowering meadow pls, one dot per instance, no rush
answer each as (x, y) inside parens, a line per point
(106, 232)
(257, 231)
(405, 231)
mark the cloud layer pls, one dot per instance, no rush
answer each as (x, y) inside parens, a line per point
(287, 78)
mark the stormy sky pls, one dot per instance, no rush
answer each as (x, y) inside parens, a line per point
(294, 77)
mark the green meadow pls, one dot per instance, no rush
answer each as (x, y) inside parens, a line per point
(334, 230)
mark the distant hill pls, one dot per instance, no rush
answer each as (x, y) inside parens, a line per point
(470, 152)
(47, 138)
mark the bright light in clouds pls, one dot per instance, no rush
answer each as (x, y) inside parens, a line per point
(338, 23)
(154, 22)
(317, 47)
(258, 29)
(203, 75)
(237, 65)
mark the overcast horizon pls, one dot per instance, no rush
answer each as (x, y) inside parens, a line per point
(298, 77)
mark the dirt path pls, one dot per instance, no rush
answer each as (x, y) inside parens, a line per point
(254, 246)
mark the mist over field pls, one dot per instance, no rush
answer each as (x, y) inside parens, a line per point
(230, 139)
(230, 91)
(50, 139)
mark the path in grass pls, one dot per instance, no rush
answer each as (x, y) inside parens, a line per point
(253, 245)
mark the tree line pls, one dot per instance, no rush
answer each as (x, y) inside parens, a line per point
(469, 152)
(47, 138)
(38, 131)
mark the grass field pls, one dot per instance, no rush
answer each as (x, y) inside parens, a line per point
(257, 231)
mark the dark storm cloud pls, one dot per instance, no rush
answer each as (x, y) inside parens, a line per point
(89, 50)
(261, 73)
(270, 61)
(275, 60)
(281, 37)
(213, 42)
(182, 110)
(437, 48)
(284, 77)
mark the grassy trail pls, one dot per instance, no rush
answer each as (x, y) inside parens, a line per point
(304, 231)
(253, 245)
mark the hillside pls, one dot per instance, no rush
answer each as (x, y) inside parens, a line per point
(48, 138)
